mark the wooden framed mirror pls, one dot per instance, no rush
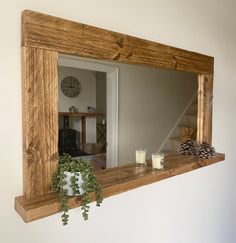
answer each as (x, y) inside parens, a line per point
(45, 37)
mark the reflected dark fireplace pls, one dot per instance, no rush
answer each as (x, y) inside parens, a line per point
(69, 140)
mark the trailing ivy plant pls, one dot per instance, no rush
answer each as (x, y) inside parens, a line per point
(76, 167)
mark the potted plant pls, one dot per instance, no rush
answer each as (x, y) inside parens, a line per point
(75, 177)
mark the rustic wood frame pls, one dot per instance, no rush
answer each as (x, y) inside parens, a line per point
(43, 38)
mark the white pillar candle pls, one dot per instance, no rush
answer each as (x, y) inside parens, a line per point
(158, 161)
(140, 156)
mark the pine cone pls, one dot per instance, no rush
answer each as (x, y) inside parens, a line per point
(187, 148)
(205, 151)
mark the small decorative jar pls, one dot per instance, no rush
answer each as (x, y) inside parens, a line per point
(72, 109)
(158, 161)
(141, 156)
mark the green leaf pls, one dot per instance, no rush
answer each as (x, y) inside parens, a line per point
(77, 167)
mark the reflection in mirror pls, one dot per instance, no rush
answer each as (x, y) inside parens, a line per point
(108, 110)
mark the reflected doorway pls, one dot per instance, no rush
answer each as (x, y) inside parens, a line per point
(88, 111)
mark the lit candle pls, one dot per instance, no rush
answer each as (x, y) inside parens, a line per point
(158, 161)
(141, 156)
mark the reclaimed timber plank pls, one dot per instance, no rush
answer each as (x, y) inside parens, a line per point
(40, 119)
(68, 37)
(114, 181)
(204, 118)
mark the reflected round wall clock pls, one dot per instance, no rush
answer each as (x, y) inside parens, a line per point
(70, 86)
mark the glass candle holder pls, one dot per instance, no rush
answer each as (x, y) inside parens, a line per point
(141, 156)
(158, 161)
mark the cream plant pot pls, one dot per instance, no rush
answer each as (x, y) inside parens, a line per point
(68, 183)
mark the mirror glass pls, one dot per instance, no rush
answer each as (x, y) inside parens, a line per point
(108, 110)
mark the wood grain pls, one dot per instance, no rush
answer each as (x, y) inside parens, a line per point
(205, 98)
(114, 181)
(43, 37)
(40, 119)
(64, 36)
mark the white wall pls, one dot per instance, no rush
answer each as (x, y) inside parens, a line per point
(87, 97)
(151, 101)
(199, 206)
(101, 95)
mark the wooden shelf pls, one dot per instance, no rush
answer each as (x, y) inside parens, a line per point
(80, 114)
(114, 181)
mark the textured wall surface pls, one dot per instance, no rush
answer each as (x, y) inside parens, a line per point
(151, 101)
(199, 206)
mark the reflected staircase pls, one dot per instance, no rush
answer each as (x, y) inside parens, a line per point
(186, 129)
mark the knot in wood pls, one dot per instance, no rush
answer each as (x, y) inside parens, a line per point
(175, 62)
(120, 43)
(29, 152)
(55, 156)
(116, 57)
(129, 55)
